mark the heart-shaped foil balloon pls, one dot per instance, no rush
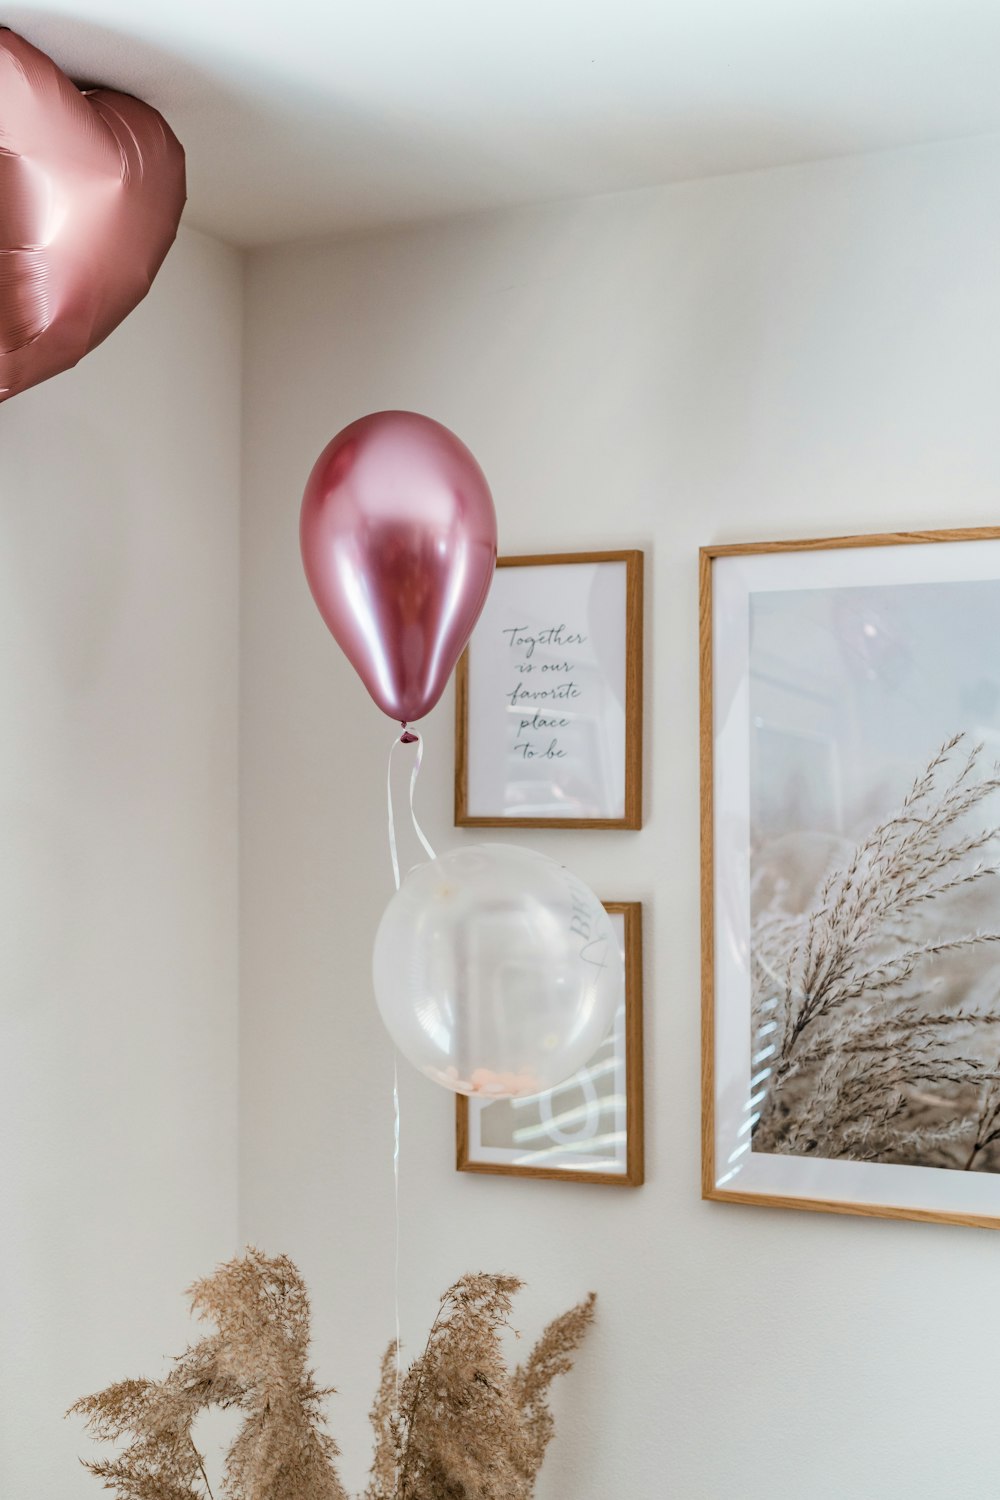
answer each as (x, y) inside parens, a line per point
(91, 192)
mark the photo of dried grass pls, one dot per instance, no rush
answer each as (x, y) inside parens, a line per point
(875, 857)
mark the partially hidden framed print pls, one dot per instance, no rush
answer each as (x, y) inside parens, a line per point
(590, 1128)
(549, 696)
(850, 750)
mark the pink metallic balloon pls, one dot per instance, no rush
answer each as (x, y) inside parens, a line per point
(91, 193)
(399, 542)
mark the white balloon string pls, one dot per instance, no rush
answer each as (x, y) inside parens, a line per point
(413, 812)
(405, 738)
(413, 787)
(392, 821)
(395, 1173)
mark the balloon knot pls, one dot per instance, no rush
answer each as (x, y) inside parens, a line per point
(408, 738)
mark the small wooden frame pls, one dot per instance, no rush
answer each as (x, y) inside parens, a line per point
(624, 1046)
(499, 740)
(925, 1188)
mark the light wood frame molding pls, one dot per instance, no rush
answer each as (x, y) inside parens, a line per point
(707, 557)
(634, 1174)
(632, 818)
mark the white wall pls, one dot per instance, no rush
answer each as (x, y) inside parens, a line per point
(119, 504)
(797, 352)
(805, 351)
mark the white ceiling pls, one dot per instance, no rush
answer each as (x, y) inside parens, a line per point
(302, 117)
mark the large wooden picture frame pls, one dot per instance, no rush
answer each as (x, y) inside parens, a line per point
(599, 1137)
(850, 801)
(548, 726)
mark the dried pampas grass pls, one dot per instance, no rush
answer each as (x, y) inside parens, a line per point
(457, 1426)
(464, 1428)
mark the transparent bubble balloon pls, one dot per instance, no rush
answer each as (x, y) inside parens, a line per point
(496, 971)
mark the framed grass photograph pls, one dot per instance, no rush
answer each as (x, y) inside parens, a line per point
(548, 696)
(589, 1129)
(850, 741)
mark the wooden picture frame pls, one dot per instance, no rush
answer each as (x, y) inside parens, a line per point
(626, 1044)
(912, 600)
(603, 752)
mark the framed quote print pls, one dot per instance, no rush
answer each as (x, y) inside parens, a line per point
(549, 696)
(850, 750)
(589, 1129)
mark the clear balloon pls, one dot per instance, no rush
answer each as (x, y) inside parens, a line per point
(399, 543)
(91, 192)
(496, 971)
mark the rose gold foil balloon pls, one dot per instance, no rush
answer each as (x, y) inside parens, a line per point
(91, 193)
(399, 542)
